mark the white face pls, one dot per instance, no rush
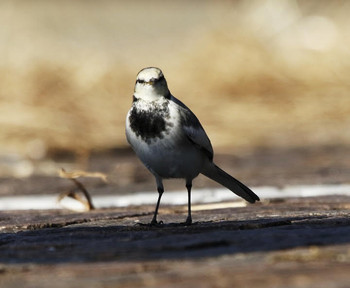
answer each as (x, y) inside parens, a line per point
(151, 84)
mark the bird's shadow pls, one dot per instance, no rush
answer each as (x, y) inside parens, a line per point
(86, 243)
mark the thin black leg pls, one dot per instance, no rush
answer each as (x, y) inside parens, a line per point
(189, 217)
(160, 193)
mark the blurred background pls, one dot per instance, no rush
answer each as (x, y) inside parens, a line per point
(258, 74)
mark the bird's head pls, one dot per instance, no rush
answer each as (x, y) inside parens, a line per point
(151, 85)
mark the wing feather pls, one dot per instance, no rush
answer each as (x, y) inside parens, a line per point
(194, 130)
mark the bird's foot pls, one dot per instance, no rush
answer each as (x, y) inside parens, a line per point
(155, 223)
(188, 221)
(152, 224)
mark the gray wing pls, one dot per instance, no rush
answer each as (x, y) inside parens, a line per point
(194, 130)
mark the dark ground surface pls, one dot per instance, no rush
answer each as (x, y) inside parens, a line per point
(293, 243)
(300, 242)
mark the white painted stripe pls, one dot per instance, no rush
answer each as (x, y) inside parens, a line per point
(37, 202)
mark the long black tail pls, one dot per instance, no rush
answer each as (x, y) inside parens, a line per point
(215, 173)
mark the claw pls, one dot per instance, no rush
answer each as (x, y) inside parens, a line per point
(152, 224)
(156, 224)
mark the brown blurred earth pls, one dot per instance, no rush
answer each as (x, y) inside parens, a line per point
(256, 73)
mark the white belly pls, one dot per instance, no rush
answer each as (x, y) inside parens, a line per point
(173, 156)
(167, 161)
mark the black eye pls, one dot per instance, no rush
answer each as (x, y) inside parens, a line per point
(153, 80)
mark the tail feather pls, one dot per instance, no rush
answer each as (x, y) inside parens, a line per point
(215, 173)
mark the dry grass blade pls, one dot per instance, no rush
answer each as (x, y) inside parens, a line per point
(76, 196)
(79, 173)
(72, 176)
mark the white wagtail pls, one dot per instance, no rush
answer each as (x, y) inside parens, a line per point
(170, 140)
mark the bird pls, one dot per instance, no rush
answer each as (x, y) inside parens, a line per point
(170, 141)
